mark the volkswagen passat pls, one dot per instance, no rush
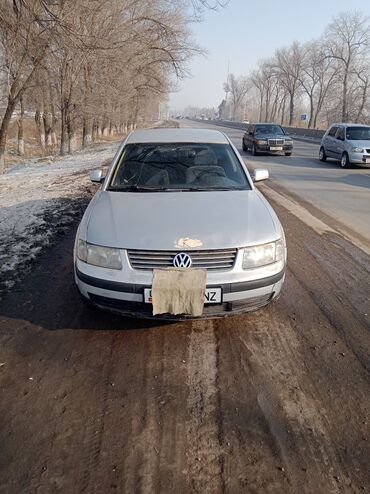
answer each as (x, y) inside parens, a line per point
(183, 198)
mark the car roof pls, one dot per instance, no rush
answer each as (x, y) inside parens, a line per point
(341, 124)
(164, 135)
(267, 123)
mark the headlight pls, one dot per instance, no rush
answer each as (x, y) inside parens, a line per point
(261, 142)
(105, 257)
(357, 150)
(289, 142)
(261, 255)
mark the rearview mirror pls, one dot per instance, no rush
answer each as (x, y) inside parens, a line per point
(97, 176)
(260, 174)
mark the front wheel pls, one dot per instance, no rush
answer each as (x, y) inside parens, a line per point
(254, 150)
(288, 154)
(344, 162)
(322, 155)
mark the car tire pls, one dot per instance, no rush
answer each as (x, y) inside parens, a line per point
(322, 155)
(253, 150)
(288, 154)
(244, 147)
(344, 161)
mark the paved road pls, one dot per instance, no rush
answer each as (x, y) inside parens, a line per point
(275, 401)
(344, 194)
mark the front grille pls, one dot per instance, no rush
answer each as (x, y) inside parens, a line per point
(205, 259)
(276, 142)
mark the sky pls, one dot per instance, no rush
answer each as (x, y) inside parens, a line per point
(245, 32)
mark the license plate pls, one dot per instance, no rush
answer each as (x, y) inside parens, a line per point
(211, 296)
(276, 148)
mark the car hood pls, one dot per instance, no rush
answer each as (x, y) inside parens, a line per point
(359, 144)
(177, 220)
(271, 136)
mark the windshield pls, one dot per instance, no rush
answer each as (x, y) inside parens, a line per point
(269, 129)
(358, 133)
(172, 167)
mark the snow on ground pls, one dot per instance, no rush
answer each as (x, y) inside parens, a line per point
(38, 200)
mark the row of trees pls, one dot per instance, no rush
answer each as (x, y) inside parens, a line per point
(89, 67)
(327, 78)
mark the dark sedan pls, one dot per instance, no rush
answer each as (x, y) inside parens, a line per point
(267, 138)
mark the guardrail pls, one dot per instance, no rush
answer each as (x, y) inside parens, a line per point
(294, 131)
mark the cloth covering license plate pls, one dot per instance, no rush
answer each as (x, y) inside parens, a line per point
(211, 296)
(276, 148)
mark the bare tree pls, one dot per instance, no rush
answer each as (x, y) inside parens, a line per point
(317, 76)
(26, 29)
(94, 67)
(288, 69)
(238, 87)
(347, 40)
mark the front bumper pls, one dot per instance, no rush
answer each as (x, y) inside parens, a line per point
(265, 148)
(361, 159)
(128, 298)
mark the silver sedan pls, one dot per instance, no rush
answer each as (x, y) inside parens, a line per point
(179, 198)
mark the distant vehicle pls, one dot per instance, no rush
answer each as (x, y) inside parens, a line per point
(245, 121)
(179, 198)
(267, 138)
(348, 143)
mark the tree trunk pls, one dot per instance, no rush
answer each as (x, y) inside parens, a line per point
(282, 110)
(63, 133)
(4, 132)
(261, 105)
(47, 121)
(54, 140)
(20, 146)
(344, 97)
(291, 109)
(87, 131)
(72, 141)
(363, 102)
(40, 130)
(311, 111)
(94, 130)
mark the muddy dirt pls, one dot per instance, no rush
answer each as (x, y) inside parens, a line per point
(275, 401)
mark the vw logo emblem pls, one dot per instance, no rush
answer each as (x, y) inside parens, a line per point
(182, 260)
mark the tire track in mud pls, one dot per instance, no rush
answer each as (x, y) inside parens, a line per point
(205, 464)
(96, 424)
(294, 415)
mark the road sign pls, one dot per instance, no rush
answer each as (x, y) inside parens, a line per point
(304, 116)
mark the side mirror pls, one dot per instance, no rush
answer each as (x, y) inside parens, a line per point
(97, 176)
(260, 174)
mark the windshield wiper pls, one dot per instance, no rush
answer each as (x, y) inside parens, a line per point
(210, 189)
(138, 188)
